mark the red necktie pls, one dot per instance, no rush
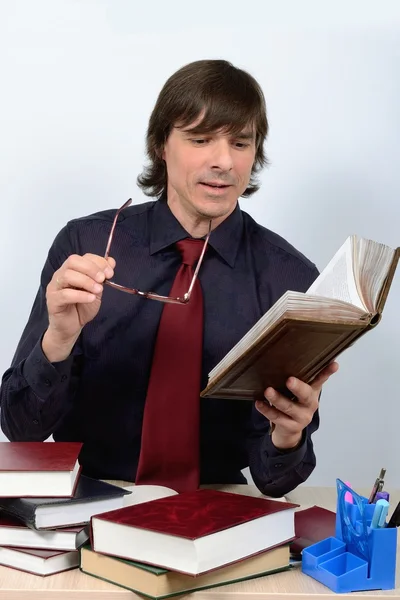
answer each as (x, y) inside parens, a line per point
(169, 453)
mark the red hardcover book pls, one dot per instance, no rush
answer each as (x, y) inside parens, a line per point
(39, 562)
(39, 469)
(194, 532)
(312, 525)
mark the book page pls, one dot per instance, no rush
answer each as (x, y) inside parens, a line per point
(145, 493)
(374, 260)
(337, 280)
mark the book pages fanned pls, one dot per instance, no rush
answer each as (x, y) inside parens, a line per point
(303, 332)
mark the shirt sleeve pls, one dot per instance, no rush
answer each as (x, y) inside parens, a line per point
(35, 394)
(277, 472)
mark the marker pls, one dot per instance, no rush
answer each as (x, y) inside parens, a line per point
(384, 512)
(348, 495)
(380, 513)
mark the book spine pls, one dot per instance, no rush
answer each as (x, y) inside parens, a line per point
(21, 510)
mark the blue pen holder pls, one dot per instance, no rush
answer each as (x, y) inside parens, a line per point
(359, 557)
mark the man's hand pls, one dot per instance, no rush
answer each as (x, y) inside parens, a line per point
(73, 299)
(290, 418)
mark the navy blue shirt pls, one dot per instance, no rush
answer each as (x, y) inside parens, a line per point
(97, 394)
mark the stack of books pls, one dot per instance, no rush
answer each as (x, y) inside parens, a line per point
(150, 539)
(46, 505)
(179, 543)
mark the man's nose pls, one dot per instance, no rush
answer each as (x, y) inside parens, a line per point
(221, 157)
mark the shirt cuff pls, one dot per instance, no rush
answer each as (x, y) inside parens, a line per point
(278, 462)
(45, 377)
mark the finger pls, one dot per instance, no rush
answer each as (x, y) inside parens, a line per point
(325, 374)
(277, 417)
(91, 265)
(111, 262)
(74, 279)
(300, 389)
(103, 263)
(288, 407)
(270, 412)
(70, 296)
(303, 390)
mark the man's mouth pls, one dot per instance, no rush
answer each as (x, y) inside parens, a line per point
(214, 185)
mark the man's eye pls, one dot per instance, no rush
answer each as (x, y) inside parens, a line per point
(199, 141)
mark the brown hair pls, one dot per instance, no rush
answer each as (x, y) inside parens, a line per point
(231, 100)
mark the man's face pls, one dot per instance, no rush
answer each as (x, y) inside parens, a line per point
(207, 173)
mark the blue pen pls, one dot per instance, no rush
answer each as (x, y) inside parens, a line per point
(380, 513)
(376, 515)
(384, 512)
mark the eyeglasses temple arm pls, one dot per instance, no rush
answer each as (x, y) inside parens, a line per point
(199, 263)
(110, 237)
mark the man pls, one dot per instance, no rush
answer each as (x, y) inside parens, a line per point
(123, 373)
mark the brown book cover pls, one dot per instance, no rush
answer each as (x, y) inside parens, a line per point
(160, 583)
(302, 333)
(39, 469)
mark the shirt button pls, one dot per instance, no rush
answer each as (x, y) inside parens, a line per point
(47, 382)
(35, 422)
(278, 465)
(64, 378)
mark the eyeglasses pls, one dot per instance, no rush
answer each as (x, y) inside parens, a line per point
(151, 295)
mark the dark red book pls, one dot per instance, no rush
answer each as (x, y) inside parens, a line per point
(17, 534)
(39, 469)
(194, 532)
(39, 562)
(312, 525)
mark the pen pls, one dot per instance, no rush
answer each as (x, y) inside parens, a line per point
(384, 511)
(395, 518)
(378, 486)
(377, 515)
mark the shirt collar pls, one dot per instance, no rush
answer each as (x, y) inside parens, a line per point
(166, 230)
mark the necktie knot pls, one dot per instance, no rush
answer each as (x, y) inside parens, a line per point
(190, 250)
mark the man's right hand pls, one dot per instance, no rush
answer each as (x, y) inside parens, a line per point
(73, 299)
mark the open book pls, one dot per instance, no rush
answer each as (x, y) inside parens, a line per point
(147, 492)
(303, 332)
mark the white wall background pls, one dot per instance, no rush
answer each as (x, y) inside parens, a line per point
(78, 81)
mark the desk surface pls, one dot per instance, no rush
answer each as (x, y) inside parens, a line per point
(74, 585)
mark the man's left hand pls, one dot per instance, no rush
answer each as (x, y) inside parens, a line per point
(288, 417)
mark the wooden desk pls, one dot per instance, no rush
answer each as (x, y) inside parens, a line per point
(74, 585)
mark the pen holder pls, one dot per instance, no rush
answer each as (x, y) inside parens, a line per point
(359, 557)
